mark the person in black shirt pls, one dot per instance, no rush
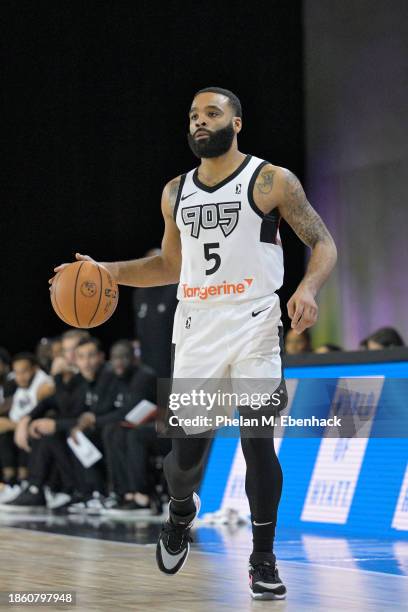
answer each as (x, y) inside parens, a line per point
(129, 433)
(154, 309)
(66, 377)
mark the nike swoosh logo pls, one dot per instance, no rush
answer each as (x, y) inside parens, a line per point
(255, 314)
(258, 524)
(170, 561)
(187, 196)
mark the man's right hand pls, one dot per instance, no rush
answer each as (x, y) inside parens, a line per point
(78, 257)
(86, 420)
(59, 365)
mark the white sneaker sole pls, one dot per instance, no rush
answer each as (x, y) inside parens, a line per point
(197, 502)
(267, 595)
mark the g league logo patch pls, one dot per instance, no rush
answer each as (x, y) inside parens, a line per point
(208, 216)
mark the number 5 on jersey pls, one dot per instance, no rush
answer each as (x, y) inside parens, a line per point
(208, 246)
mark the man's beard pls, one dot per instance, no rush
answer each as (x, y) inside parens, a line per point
(216, 144)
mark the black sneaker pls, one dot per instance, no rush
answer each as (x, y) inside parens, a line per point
(74, 498)
(173, 545)
(264, 580)
(107, 503)
(30, 498)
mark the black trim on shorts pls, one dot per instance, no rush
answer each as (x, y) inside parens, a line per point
(270, 221)
(166, 418)
(229, 178)
(282, 386)
(281, 345)
(172, 358)
(180, 189)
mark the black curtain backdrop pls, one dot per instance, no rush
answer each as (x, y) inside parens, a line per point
(95, 99)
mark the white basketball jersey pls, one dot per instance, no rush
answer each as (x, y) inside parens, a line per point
(25, 400)
(231, 250)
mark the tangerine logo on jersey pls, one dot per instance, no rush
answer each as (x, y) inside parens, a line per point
(224, 288)
(208, 216)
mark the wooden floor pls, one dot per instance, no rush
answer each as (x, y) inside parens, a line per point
(112, 576)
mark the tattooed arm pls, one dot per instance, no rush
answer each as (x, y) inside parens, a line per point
(279, 188)
(163, 269)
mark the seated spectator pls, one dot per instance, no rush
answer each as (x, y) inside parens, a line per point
(66, 378)
(385, 337)
(296, 344)
(327, 348)
(134, 386)
(46, 351)
(130, 439)
(32, 386)
(64, 367)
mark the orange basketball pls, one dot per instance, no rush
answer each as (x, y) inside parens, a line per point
(83, 294)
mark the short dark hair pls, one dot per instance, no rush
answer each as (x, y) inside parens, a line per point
(25, 357)
(90, 340)
(75, 333)
(125, 343)
(233, 99)
(386, 336)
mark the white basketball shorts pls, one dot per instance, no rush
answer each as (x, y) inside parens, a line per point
(236, 342)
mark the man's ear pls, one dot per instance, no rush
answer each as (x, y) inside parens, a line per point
(237, 121)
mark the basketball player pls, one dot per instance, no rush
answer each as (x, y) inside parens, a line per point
(221, 243)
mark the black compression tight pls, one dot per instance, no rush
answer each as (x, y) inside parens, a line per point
(184, 465)
(263, 481)
(184, 468)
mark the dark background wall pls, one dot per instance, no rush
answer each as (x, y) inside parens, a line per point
(95, 122)
(356, 96)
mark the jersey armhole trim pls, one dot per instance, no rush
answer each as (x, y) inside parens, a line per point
(251, 185)
(180, 190)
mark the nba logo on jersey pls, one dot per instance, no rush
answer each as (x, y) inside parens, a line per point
(188, 323)
(238, 188)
